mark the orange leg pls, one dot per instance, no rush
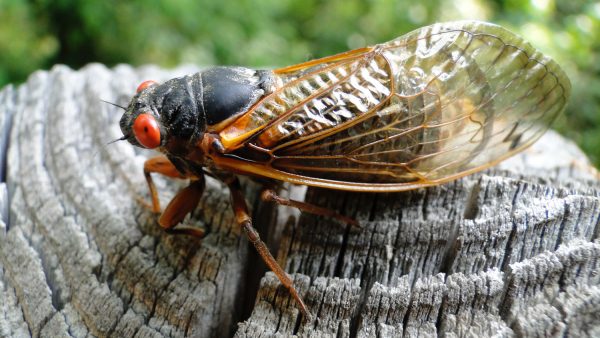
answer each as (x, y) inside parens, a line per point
(269, 195)
(242, 217)
(160, 165)
(183, 203)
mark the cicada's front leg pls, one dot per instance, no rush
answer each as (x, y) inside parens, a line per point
(243, 218)
(183, 203)
(160, 165)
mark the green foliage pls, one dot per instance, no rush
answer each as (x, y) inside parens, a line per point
(24, 45)
(268, 33)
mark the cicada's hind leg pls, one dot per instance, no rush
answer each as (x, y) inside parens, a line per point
(183, 203)
(269, 195)
(243, 218)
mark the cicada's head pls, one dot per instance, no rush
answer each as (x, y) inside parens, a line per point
(161, 113)
(179, 111)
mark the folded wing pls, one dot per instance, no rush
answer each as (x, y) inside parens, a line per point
(435, 104)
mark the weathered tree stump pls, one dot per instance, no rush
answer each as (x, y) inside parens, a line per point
(510, 251)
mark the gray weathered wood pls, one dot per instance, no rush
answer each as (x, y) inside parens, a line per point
(510, 251)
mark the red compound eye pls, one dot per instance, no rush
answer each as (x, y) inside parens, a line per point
(146, 131)
(145, 85)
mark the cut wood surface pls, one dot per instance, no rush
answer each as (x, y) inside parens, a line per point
(509, 251)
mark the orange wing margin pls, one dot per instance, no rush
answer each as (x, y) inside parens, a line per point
(352, 54)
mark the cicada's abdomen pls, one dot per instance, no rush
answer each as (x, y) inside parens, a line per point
(314, 99)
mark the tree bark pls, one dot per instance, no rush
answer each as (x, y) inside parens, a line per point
(509, 251)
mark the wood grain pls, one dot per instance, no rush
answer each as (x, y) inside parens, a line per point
(510, 251)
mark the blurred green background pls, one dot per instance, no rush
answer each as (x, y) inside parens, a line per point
(36, 34)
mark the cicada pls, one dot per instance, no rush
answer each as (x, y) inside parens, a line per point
(429, 107)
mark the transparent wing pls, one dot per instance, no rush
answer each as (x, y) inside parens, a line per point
(436, 104)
